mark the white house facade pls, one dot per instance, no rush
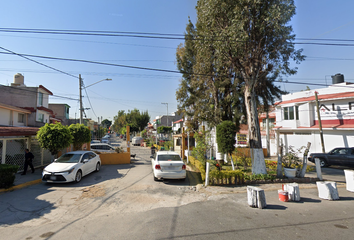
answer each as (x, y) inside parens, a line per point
(297, 120)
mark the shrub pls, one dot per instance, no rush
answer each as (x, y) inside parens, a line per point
(119, 150)
(199, 165)
(7, 175)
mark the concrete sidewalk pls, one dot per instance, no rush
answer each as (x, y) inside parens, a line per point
(25, 180)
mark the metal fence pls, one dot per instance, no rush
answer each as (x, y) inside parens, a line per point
(12, 151)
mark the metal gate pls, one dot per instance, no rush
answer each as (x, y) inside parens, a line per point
(12, 151)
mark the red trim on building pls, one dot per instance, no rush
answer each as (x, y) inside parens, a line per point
(181, 120)
(336, 122)
(18, 131)
(45, 109)
(29, 108)
(45, 89)
(320, 97)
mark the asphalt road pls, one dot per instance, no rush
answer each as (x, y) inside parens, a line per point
(124, 202)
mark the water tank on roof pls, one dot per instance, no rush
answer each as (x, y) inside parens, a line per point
(338, 78)
(19, 79)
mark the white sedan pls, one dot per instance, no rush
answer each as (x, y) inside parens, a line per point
(71, 166)
(168, 165)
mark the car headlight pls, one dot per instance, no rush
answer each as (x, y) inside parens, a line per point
(68, 171)
(71, 170)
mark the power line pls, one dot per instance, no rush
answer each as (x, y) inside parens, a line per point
(28, 90)
(157, 35)
(23, 56)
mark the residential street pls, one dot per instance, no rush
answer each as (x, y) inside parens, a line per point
(124, 202)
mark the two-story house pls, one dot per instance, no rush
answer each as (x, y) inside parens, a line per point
(34, 99)
(297, 120)
(60, 111)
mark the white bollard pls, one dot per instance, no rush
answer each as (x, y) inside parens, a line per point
(327, 190)
(207, 174)
(318, 169)
(256, 197)
(293, 190)
(349, 179)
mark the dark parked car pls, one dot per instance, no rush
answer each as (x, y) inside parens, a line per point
(338, 156)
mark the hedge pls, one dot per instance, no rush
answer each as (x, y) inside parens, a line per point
(199, 165)
(7, 175)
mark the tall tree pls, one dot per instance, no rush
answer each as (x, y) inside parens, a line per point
(136, 120)
(255, 37)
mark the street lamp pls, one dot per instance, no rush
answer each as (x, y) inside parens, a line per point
(80, 87)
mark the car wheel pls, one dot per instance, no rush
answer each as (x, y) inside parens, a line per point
(78, 176)
(98, 166)
(323, 163)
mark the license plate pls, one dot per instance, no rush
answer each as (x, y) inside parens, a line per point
(53, 178)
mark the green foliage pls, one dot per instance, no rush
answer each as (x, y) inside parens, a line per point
(168, 145)
(254, 177)
(225, 136)
(136, 120)
(199, 165)
(106, 123)
(7, 175)
(119, 149)
(164, 129)
(291, 159)
(202, 146)
(226, 174)
(81, 134)
(143, 134)
(54, 137)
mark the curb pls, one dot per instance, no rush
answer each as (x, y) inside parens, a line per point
(21, 186)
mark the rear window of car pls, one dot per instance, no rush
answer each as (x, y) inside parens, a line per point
(168, 158)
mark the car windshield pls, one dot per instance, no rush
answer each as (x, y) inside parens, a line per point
(69, 158)
(168, 157)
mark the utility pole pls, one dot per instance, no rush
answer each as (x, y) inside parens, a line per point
(319, 123)
(80, 87)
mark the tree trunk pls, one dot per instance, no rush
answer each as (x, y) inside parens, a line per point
(254, 133)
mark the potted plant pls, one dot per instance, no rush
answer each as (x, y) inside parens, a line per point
(291, 162)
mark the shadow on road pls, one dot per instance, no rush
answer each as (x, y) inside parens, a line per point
(275, 207)
(25, 204)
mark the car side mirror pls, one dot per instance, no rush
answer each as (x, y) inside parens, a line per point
(85, 161)
(152, 157)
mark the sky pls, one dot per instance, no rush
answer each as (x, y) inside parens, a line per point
(315, 22)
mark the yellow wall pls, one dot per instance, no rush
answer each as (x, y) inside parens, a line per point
(115, 158)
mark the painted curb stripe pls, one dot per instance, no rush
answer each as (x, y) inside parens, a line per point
(21, 185)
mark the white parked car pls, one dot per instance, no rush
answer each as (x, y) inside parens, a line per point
(102, 147)
(71, 166)
(168, 165)
(137, 141)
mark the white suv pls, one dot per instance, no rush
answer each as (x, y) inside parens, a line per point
(102, 147)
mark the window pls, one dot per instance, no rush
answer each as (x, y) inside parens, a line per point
(40, 117)
(40, 99)
(21, 118)
(289, 113)
(271, 123)
(178, 142)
